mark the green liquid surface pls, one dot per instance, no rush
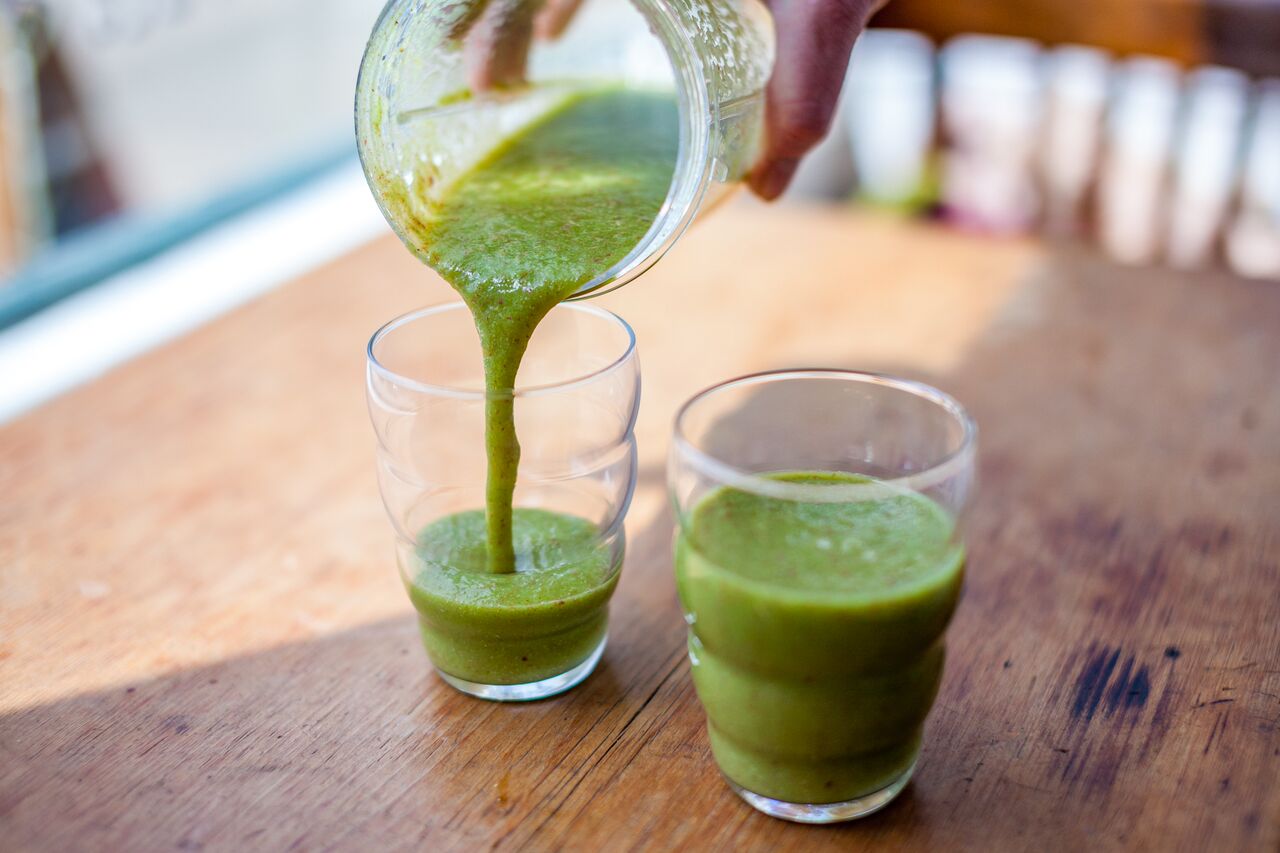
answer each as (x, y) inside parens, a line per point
(816, 634)
(547, 212)
(512, 627)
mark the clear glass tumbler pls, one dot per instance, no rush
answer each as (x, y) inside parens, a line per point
(818, 561)
(541, 629)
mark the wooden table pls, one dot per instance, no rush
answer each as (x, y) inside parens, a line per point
(204, 645)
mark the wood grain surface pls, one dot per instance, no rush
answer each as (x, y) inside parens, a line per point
(204, 644)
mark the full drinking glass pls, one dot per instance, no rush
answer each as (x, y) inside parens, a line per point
(541, 629)
(818, 561)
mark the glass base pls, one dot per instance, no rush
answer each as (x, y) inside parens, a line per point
(532, 690)
(826, 812)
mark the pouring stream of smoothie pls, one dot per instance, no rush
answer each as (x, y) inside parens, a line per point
(545, 213)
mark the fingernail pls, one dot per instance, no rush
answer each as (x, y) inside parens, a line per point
(772, 178)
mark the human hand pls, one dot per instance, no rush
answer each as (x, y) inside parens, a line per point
(815, 38)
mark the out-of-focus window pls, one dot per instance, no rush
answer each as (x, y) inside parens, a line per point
(127, 125)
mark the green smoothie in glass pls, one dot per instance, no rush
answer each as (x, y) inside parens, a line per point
(512, 627)
(511, 595)
(816, 632)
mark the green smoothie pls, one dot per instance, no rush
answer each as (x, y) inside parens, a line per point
(513, 596)
(816, 633)
(544, 214)
(511, 627)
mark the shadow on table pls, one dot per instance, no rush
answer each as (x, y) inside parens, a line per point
(339, 729)
(346, 739)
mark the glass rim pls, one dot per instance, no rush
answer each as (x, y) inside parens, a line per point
(727, 474)
(479, 394)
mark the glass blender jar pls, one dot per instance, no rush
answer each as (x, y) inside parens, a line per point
(419, 127)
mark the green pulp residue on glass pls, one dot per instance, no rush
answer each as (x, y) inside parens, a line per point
(549, 210)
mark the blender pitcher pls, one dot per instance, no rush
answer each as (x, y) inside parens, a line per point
(419, 127)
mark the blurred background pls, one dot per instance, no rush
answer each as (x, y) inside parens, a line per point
(161, 160)
(129, 125)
